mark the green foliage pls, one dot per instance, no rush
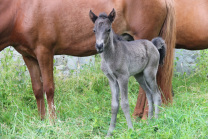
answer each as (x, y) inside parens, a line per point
(83, 106)
(203, 63)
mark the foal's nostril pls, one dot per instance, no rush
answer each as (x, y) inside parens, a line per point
(99, 46)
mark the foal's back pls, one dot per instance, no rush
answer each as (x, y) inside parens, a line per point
(138, 54)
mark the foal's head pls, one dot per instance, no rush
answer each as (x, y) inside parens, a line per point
(102, 28)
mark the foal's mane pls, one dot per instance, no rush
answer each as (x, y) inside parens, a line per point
(103, 15)
(119, 37)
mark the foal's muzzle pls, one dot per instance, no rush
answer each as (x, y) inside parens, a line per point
(99, 47)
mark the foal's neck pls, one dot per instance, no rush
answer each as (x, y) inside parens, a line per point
(110, 47)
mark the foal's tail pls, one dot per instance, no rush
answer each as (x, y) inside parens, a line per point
(161, 46)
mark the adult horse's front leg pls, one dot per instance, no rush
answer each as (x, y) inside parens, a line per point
(34, 69)
(45, 60)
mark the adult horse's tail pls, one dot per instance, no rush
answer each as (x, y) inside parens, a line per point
(161, 47)
(168, 33)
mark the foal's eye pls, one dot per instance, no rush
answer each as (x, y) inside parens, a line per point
(94, 30)
(109, 30)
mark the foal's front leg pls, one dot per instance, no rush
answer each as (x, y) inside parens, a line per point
(123, 85)
(114, 103)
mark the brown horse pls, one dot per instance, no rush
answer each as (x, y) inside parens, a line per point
(191, 32)
(40, 29)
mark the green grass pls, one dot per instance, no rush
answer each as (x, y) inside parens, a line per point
(83, 107)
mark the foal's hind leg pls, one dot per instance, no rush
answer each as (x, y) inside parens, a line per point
(142, 82)
(150, 77)
(157, 101)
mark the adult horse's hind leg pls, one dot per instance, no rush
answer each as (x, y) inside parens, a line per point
(142, 82)
(34, 69)
(45, 60)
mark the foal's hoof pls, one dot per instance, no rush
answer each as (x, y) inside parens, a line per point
(109, 135)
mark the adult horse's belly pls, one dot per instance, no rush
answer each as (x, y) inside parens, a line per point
(192, 24)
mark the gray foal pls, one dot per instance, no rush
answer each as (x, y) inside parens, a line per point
(122, 59)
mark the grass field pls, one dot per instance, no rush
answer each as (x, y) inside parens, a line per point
(83, 107)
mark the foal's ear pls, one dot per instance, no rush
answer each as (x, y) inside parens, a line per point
(93, 17)
(112, 15)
